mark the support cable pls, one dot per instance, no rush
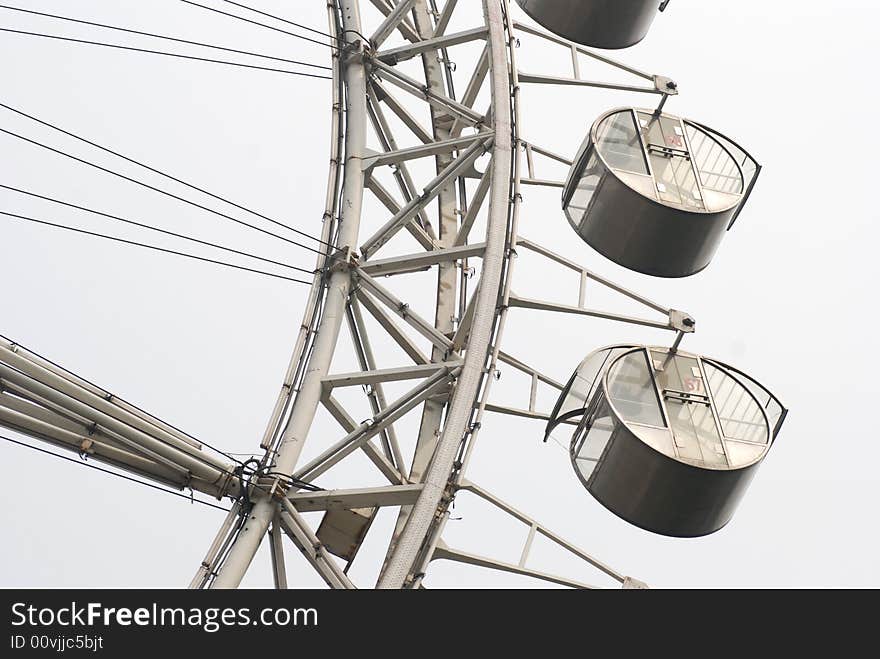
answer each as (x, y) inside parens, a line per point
(159, 190)
(163, 174)
(253, 22)
(283, 20)
(153, 247)
(157, 229)
(113, 473)
(165, 38)
(161, 52)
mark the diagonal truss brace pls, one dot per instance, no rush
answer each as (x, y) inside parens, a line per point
(443, 552)
(379, 93)
(541, 305)
(360, 378)
(382, 463)
(402, 310)
(535, 528)
(387, 199)
(458, 110)
(370, 497)
(404, 26)
(426, 150)
(458, 167)
(314, 551)
(531, 78)
(677, 321)
(392, 21)
(387, 322)
(422, 261)
(660, 84)
(401, 172)
(367, 430)
(395, 55)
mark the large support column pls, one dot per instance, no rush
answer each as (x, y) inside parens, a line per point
(423, 514)
(303, 413)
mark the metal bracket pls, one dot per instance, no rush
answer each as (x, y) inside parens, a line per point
(682, 321)
(666, 85)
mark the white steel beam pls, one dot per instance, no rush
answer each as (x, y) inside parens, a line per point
(59, 381)
(402, 309)
(394, 55)
(571, 265)
(365, 431)
(304, 538)
(445, 553)
(468, 486)
(521, 366)
(478, 77)
(443, 19)
(172, 454)
(531, 78)
(359, 378)
(387, 199)
(452, 198)
(543, 183)
(84, 444)
(401, 173)
(374, 454)
(540, 305)
(391, 22)
(456, 168)
(467, 222)
(423, 151)
(276, 551)
(33, 414)
(405, 26)
(546, 153)
(381, 93)
(421, 261)
(513, 411)
(370, 497)
(459, 339)
(523, 27)
(400, 337)
(414, 87)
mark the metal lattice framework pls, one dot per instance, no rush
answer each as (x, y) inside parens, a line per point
(477, 162)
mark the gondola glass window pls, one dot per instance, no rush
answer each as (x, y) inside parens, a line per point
(667, 440)
(656, 193)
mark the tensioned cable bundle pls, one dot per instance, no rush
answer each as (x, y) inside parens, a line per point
(152, 247)
(163, 37)
(283, 20)
(159, 190)
(156, 229)
(159, 52)
(253, 22)
(166, 175)
(191, 499)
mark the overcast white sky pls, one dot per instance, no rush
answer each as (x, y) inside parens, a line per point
(789, 299)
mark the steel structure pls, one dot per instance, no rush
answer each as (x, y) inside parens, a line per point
(478, 160)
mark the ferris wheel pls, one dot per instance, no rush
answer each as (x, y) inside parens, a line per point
(429, 172)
